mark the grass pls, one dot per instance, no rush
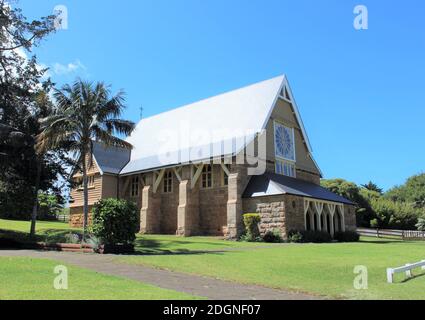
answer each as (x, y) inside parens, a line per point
(32, 279)
(46, 231)
(24, 226)
(323, 269)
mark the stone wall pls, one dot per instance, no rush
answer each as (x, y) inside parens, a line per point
(272, 217)
(169, 205)
(350, 218)
(294, 209)
(286, 213)
(213, 206)
(271, 210)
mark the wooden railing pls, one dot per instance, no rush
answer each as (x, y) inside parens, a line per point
(390, 233)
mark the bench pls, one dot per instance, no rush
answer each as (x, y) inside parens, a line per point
(407, 269)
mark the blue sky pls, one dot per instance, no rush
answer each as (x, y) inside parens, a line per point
(360, 93)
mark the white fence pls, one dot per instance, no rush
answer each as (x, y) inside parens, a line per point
(389, 233)
(62, 217)
(407, 269)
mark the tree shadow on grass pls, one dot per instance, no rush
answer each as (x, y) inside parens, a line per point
(415, 276)
(145, 246)
(386, 241)
(10, 239)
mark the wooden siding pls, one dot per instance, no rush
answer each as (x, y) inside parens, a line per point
(95, 192)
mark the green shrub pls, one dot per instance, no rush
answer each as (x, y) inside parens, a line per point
(347, 236)
(115, 221)
(73, 238)
(251, 221)
(295, 236)
(272, 236)
(374, 223)
(395, 215)
(421, 224)
(247, 238)
(315, 237)
(303, 236)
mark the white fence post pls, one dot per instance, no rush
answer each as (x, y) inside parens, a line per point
(390, 273)
(409, 271)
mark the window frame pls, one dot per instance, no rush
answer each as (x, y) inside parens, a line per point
(205, 174)
(279, 123)
(90, 182)
(167, 182)
(224, 176)
(135, 186)
(290, 164)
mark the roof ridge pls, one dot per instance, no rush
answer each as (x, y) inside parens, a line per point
(190, 104)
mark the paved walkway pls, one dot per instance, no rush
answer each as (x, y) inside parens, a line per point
(192, 284)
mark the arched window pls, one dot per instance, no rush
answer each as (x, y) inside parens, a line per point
(307, 220)
(328, 222)
(337, 221)
(316, 223)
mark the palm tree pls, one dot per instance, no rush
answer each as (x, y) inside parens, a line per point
(85, 113)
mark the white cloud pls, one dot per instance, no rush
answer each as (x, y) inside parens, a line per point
(66, 69)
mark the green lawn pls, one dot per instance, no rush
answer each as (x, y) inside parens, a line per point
(32, 279)
(24, 226)
(46, 231)
(324, 269)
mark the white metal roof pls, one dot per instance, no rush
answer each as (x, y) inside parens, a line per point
(217, 126)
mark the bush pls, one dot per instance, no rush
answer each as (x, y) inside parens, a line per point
(295, 236)
(315, 237)
(374, 223)
(272, 236)
(304, 236)
(115, 221)
(421, 224)
(246, 238)
(395, 215)
(347, 236)
(251, 221)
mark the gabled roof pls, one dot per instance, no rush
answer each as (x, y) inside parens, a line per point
(231, 121)
(271, 184)
(110, 159)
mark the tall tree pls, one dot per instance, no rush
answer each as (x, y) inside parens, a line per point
(413, 191)
(85, 113)
(372, 187)
(23, 172)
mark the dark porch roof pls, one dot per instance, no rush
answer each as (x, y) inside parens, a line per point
(110, 159)
(270, 184)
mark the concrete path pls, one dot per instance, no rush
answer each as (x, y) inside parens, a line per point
(192, 284)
